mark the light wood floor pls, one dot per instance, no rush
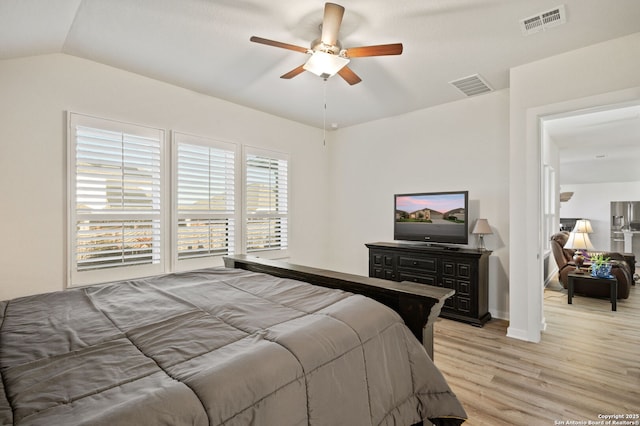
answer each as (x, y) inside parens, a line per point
(588, 363)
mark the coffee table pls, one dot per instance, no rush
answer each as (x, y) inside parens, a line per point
(612, 282)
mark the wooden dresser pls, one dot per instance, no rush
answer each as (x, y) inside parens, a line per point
(464, 270)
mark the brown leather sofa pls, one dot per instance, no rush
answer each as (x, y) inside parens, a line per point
(620, 269)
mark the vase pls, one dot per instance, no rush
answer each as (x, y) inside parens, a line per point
(601, 271)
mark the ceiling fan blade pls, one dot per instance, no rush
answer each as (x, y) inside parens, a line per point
(331, 23)
(349, 76)
(379, 50)
(278, 44)
(293, 72)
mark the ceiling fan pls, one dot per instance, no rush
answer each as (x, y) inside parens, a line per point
(327, 55)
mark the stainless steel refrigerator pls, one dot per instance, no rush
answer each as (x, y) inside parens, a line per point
(625, 227)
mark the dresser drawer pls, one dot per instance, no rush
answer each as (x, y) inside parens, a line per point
(385, 274)
(384, 260)
(463, 304)
(458, 269)
(463, 288)
(415, 278)
(424, 264)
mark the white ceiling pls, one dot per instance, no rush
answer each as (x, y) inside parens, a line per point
(203, 45)
(598, 146)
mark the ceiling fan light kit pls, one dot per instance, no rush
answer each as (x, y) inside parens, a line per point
(325, 64)
(327, 56)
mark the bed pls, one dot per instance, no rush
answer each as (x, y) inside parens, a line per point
(222, 346)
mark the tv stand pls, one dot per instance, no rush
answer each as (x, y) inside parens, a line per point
(464, 270)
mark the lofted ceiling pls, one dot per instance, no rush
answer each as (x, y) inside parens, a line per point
(203, 45)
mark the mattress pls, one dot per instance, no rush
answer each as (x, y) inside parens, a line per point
(214, 347)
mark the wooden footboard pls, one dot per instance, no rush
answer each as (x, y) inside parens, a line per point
(418, 304)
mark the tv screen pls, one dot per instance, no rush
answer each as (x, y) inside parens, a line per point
(435, 217)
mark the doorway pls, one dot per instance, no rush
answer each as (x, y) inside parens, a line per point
(591, 156)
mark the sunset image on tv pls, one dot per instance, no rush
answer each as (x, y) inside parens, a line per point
(430, 208)
(432, 217)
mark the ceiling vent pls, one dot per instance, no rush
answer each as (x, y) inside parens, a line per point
(542, 21)
(471, 85)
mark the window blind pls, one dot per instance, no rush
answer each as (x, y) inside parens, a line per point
(266, 200)
(116, 190)
(119, 206)
(205, 199)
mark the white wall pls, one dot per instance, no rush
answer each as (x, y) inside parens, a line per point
(593, 202)
(488, 145)
(605, 73)
(36, 92)
(458, 146)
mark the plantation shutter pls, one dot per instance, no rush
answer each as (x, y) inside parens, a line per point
(115, 197)
(205, 186)
(266, 200)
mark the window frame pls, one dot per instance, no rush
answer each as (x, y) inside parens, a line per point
(205, 261)
(274, 155)
(167, 213)
(76, 277)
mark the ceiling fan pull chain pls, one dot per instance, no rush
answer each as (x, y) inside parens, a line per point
(324, 114)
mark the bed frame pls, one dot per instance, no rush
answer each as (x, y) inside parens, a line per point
(418, 304)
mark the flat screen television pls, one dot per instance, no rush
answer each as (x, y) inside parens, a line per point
(434, 217)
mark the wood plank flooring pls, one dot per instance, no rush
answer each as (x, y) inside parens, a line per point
(587, 364)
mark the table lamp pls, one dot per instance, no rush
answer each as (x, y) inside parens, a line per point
(481, 228)
(579, 241)
(583, 225)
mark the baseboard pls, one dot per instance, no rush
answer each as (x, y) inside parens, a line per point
(501, 315)
(521, 334)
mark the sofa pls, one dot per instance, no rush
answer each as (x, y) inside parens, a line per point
(621, 269)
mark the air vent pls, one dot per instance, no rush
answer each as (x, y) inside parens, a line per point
(543, 21)
(471, 85)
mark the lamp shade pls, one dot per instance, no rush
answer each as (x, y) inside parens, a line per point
(583, 225)
(482, 227)
(325, 64)
(579, 241)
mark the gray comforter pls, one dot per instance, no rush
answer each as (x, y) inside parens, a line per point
(213, 347)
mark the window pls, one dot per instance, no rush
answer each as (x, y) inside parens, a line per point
(266, 201)
(115, 188)
(205, 222)
(137, 209)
